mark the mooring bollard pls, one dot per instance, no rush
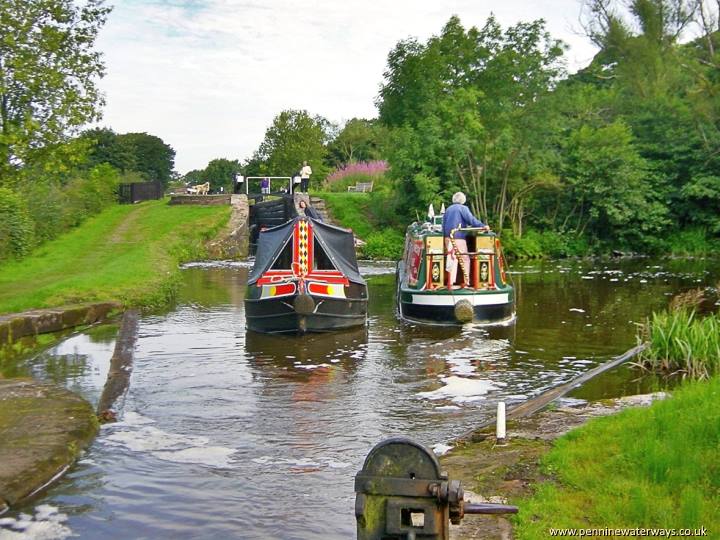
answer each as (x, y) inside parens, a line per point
(500, 424)
(401, 494)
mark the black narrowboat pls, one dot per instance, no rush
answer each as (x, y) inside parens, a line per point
(305, 279)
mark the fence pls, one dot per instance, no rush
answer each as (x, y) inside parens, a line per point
(140, 191)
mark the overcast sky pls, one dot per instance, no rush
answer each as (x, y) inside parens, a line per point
(208, 76)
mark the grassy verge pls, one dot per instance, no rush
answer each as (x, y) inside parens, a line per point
(126, 253)
(654, 467)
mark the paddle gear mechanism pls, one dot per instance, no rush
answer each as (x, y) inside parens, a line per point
(401, 494)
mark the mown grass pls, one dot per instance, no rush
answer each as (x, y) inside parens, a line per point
(681, 342)
(126, 253)
(654, 467)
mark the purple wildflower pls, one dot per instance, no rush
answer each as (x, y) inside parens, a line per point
(367, 168)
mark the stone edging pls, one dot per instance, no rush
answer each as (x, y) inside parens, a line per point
(41, 321)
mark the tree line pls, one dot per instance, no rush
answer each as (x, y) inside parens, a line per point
(624, 154)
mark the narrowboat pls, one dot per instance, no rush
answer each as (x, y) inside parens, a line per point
(424, 291)
(305, 279)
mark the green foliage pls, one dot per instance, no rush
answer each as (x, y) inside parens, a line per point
(467, 112)
(358, 140)
(48, 75)
(220, 172)
(681, 342)
(607, 178)
(16, 227)
(544, 244)
(352, 211)
(386, 244)
(644, 467)
(88, 194)
(691, 242)
(293, 137)
(154, 159)
(106, 146)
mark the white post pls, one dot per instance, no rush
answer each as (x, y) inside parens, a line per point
(500, 425)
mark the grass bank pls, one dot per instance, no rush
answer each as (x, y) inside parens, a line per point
(126, 253)
(370, 217)
(654, 467)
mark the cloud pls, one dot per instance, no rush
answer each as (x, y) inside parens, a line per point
(209, 76)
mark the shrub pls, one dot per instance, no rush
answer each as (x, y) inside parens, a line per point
(691, 242)
(386, 244)
(538, 245)
(16, 226)
(90, 193)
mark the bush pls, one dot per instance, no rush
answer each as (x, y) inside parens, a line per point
(691, 242)
(538, 245)
(16, 226)
(90, 193)
(385, 245)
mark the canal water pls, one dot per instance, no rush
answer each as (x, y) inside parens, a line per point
(230, 434)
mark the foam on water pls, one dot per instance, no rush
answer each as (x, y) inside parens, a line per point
(47, 524)
(290, 463)
(210, 456)
(135, 434)
(461, 389)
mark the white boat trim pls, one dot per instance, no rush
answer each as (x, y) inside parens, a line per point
(451, 300)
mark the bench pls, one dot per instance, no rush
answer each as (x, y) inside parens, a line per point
(361, 187)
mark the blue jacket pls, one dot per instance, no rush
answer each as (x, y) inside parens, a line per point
(459, 215)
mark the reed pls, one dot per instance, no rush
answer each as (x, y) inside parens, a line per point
(681, 342)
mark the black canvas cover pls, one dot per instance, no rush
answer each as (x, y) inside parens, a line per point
(337, 243)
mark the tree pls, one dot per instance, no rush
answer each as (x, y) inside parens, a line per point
(609, 185)
(294, 137)
(468, 112)
(153, 157)
(106, 146)
(358, 140)
(48, 74)
(221, 172)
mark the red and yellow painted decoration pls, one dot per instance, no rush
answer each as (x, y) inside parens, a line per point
(302, 276)
(274, 291)
(333, 290)
(303, 247)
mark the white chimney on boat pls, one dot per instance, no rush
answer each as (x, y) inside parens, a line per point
(431, 212)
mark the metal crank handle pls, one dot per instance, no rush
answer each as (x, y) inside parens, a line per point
(489, 509)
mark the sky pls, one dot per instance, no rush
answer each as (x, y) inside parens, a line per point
(209, 76)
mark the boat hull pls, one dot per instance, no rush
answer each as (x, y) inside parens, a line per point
(279, 315)
(444, 313)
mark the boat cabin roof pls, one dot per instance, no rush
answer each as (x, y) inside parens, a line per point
(337, 245)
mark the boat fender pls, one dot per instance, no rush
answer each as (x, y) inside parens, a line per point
(464, 311)
(304, 304)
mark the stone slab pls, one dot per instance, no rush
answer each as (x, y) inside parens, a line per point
(43, 428)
